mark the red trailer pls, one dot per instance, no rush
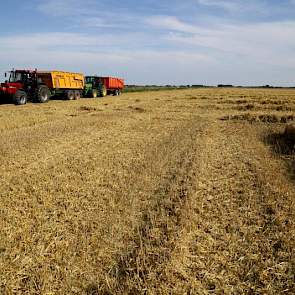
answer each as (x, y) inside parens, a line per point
(113, 85)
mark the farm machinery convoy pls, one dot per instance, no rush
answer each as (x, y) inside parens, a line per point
(40, 86)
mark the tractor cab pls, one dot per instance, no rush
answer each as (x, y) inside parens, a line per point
(20, 79)
(19, 82)
(94, 87)
(25, 77)
(16, 76)
(93, 81)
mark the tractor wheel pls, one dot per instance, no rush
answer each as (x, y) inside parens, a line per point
(77, 94)
(20, 97)
(42, 94)
(94, 93)
(103, 91)
(70, 94)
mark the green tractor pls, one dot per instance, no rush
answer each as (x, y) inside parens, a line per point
(94, 87)
(101, 86)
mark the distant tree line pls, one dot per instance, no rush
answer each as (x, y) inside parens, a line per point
(224, 85)
(167, 86)
(138, 88)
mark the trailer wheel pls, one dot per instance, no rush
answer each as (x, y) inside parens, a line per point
(20, 97)
(42, 94)
(103, 91)
(77, 94)
(70, 95)
(94, 93)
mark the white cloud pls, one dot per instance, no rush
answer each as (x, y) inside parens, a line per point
(83, 42)
(137, 65)
(227, 5)
(65, 7)
(158, 49)
(233, 7)
(96, 22)
(170, 23)
(239, 55)
(87, 14)
(268, 43)
(43, 40)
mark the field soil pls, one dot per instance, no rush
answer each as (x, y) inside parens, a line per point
(168, 192)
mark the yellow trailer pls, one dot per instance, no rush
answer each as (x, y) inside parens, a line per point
(63, 83)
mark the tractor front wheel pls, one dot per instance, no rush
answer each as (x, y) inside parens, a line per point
(20, 97)
(103, 91)
(94, 93)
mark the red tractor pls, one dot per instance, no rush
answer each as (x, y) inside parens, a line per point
(21, 86)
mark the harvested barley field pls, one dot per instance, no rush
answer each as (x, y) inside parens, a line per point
(170, 192)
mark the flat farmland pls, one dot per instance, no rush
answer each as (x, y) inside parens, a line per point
(168, 192)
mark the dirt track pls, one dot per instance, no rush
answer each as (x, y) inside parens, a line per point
(178, 192)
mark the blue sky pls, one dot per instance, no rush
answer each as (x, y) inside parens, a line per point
(154, 42)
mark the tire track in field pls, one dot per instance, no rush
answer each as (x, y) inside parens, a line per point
(141, 266)
(239, 236)
(46, 209)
